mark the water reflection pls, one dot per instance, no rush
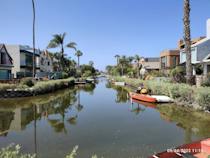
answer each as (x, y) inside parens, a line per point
(16, 114)
(193, 122)
(64, 119)
(122, 93)
(137, 109)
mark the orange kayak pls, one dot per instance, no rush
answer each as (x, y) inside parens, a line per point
(142, 97)
(199, 149)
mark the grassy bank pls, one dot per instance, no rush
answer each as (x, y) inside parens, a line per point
(38, 87)
(183, 94)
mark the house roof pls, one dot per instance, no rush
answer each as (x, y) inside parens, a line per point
(28, 49)
(152, 65)
(3, 46)
(200, 42)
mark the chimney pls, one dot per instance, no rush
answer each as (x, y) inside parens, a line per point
(208, 28)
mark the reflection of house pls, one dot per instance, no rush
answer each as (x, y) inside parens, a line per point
(5, 121)
(151, 63)
(6, 63)
(15, 120)
(169, 59)
(23, 60)
(200, 52)
(46, 63)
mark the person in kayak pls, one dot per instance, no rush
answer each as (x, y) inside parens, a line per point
(141, 89)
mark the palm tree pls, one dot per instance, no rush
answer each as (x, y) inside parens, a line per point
(123, 61)
(91, 63)
(78, 54)
(187, 40)
(118, 57)
(130, 59)
(137, 59)
(58, 41)
(33, 5)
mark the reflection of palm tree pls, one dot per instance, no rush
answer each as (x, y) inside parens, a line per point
(58, 125)
(121, 95)
(73, 120)
(62, 105)
(79, 106)
(35, 117)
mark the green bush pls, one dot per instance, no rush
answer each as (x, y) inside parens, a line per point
(28, 81)
(64, 75)
(202, 96)
(155, 73)
(87, 73)
(5, 86)
(206, 82)
(178, 74)
(52, 85)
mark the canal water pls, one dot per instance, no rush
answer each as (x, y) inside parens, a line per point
(100, 120)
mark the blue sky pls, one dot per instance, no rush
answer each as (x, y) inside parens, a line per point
(103, 28)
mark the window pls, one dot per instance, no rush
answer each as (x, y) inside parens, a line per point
(163, 62)
(174, 61)
(48, 63)
(3, 58)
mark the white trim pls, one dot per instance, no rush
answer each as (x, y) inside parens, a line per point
(206, 58)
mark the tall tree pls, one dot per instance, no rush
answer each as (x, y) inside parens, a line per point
(130, 58)
(78, 54)
(91, 63)
(117, 57)
(34, 18)
(187, 40)
(137, 59)
(58, 41)
(123, 62)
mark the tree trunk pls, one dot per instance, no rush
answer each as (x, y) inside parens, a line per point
(78, 62)
(33, 5)
(187, 40)
(122, 73)
(138, 70)
(62, 57)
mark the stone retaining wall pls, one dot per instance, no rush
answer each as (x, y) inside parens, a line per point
(15, 93)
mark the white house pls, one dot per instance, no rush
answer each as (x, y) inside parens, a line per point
(200, 52)
(23, 60)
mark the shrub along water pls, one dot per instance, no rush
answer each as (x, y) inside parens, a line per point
(13, 151)
(39, 87)
(183, 94)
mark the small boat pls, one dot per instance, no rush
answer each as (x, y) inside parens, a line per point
(151, 98)
(119, 83)
(90, 80)
(162, 98)
(143, 97)
(198, 149)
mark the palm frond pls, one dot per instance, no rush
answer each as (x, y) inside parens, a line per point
(72, 45)
(78, 53)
